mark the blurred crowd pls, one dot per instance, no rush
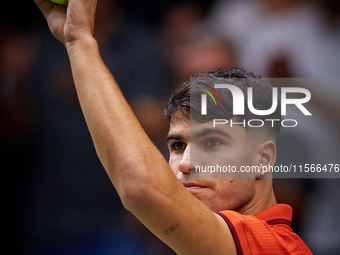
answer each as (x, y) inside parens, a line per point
(59, 199)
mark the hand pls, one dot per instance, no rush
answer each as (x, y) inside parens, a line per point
(72, 22)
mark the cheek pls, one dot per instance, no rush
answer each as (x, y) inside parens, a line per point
(174, 162)
(233, 193)
(237, 156)
(240, 156)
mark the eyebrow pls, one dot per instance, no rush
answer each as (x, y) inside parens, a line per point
(173, 137)
(209, 131)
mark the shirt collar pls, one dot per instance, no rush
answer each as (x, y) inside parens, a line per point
(277, 214)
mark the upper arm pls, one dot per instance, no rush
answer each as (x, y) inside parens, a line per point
(182, 221)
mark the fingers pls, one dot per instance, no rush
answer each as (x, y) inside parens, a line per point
(45, 6)
(69, 22)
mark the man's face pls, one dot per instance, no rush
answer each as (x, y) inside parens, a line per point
(209, 146)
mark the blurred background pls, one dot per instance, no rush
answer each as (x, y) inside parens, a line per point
(59, 199)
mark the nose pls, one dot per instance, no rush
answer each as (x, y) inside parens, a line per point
(184, 164)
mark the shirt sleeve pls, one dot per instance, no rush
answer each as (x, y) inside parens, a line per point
(254, 236)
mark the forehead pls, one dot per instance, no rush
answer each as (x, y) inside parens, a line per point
(182, 125)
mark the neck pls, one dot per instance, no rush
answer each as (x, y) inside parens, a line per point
(263, 198)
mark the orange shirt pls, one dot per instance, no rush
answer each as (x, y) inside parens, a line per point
(268, 232)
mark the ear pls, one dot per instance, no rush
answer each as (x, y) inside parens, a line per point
(265, 155)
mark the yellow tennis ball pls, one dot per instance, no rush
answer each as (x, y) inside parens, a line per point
(60, 1)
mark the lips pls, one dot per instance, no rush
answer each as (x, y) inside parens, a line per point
(192, 186)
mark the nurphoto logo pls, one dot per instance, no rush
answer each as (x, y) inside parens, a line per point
(238, 100)
(239, 103)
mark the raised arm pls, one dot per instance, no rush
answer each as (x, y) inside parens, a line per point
(143, 179)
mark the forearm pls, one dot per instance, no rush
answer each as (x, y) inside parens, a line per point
(121, 144)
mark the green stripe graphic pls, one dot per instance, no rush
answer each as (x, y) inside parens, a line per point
(209, 95)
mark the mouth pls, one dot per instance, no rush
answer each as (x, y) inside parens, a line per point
(191, 186)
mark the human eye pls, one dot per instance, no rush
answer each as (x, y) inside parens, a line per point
(212, 142)
(178, 146)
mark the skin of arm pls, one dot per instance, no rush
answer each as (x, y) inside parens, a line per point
(142, 177)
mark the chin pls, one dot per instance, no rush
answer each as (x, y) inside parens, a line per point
(206, 198)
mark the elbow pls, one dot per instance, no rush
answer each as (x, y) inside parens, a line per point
(135, 185)
(137, 195)
(138, 184)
